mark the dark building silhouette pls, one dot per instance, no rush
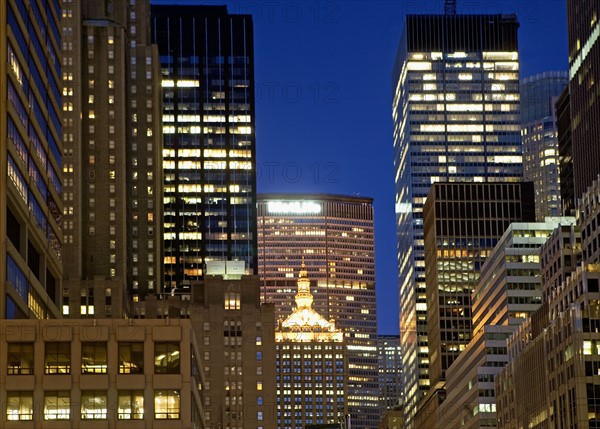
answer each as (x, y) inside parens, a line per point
(565, 153)
(584, 92)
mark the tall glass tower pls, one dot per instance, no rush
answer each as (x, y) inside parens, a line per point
(207, 60)
(456, 118)
(539, 94)
(31, 161)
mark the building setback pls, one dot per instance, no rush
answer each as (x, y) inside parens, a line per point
(456, 118)
(113, 153)
(207, 65)
(508, 292)
(31, 161)
(463, 224)
(334, 235)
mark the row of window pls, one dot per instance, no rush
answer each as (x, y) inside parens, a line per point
(58, 406)
(94, 358)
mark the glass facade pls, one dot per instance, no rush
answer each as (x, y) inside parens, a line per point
(539, 94)
(31, 192)
(456, 118)
(390, 372)
(208, 121)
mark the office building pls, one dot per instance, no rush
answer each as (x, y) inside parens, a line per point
(392, 419)
(208, 125)
(122, 373)
(583, 28)
(565, 153)
(112, 157)
(237, 342)
(554, 358)
(334, 235)
(542, 372)
(456, 118)
(463, 224)
(508, 292)
(31, 254)
(311, 365)
(539, 94)
(390, 373)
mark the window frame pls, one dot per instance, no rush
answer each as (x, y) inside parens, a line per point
(170, 413)
(62, 349)
(19, 355)
(168, 349)
(128, 367)
(97, 366)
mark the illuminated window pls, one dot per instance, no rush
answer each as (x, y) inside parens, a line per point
(130, 405)
(19, 406)
(57, 405)
(131, 358)
(166, 404)
(20, 358)
(94, 358)
(166, 358)
(232, 301)
(93, 405)
(57, 358)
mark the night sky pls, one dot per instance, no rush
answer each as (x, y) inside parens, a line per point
(324, 95)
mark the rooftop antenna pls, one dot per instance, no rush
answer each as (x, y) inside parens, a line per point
(450, 7)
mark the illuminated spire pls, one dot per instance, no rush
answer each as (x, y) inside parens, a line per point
(304, 298)
(305, 324)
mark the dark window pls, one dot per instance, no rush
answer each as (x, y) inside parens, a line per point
(20, 358)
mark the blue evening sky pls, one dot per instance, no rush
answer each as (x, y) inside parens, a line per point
(324, 94)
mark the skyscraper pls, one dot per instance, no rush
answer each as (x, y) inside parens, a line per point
(207, 61)
(334, 234)
(539, 131)
(311, 365)
(565, 152)
(112, 147)
(30, 161)
(456, 118)
(390, 372)
(584, 72)
(463, 223)
(508, 292)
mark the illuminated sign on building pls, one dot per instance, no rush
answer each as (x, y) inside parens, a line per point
(295, 207)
